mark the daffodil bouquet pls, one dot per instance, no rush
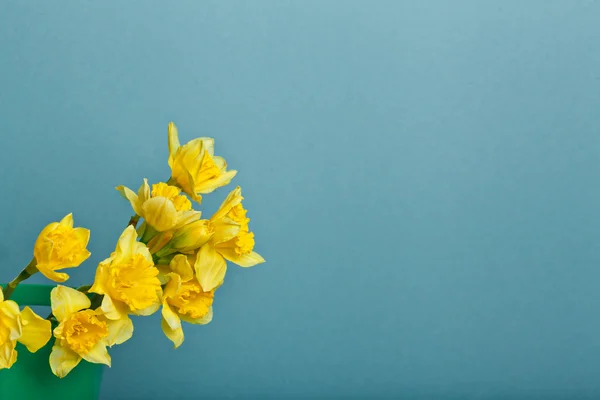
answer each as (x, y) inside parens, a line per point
(174, 261)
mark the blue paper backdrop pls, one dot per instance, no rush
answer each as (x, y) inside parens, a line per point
(422, 177)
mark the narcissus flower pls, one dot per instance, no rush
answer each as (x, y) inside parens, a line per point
(24, 326)
(163, 208)
(59, 246)
(184, 299)
(231, 241)
(128, 279)
(82, 333)
(194, 167)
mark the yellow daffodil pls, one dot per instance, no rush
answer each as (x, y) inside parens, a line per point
(163, 208)
(128, 279)
(194, 167)
(184, 299)
(59, 246)
(82, 333)
(231, 241)
(25, 327)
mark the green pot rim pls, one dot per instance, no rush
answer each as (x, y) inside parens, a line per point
(31, 294)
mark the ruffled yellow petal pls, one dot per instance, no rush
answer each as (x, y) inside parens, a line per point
(8, 354)
(36, 330)
(63, 360)
(210, 267)
(243, 260)
(10, 320)
(199, 321)
(66, 301)
(171, 325)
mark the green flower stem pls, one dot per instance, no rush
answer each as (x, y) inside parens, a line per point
(29, 270)
(133, 221)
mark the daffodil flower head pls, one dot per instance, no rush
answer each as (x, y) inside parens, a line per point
(60, 246)
(25, 327)
(128, 279)
(194, 167)
(185, 300)
(231, 241)
(82, 333)
(163, 208)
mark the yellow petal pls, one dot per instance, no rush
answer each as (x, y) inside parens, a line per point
(171, 326)
(66, 301)
(173, 142)
(112, 310)
(51, 274)
(172, 286)
(210, 267)
(10, 320)
(220, 162)
(187, 217)
(148, 310)
(97, 354)
(210, 186)
(131, 197)
(36, 330)
(8, 354)
(144, 192)
(181, 266)
(68, 221)
(243, 260)
(127, 241)
(225, 229)
(233, 199)
(43, 246)
(199, 321)
(63, 360)
(160, 213)
(119, 331)
(1, 295)
(102, 274)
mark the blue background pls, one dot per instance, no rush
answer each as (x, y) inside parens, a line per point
(422, 178)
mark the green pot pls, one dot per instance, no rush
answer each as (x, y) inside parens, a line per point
(31, 378)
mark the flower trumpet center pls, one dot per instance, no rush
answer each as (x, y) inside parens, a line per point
(83, 330)
(172, 193)
(66, 246)
(208, 169)
(244, 243)
(191, 300)
(238, 214)
(135, 283)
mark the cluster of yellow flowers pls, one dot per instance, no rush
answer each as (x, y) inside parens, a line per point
(174, 261)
